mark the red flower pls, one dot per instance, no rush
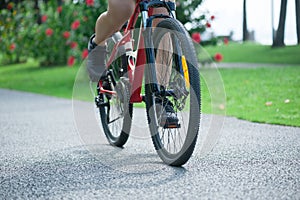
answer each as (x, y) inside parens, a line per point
(73, 45)
(49, 32)
(12, 47)
(84, 53)
(196, 37)
(44, 18)
(71, 60)
(218, 57)
(75, 24)
(208, 25)
(226, 41)
(66, 34)
(59, 9)
(90, 2)
(212, 17)
(10, 6)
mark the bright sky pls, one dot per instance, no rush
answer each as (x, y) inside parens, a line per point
(229, 17)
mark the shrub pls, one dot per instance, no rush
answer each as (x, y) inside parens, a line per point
(14, 30)
(64, 32)
(53, 34)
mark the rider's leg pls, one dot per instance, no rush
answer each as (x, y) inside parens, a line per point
(160, 11)
(164, 107)
(119, 11)
(165, 49)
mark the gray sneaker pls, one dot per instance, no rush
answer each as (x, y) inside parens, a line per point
(96, 66)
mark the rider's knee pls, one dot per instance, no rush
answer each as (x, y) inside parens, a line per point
(121, 10)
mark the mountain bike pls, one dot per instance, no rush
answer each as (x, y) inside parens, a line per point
(163, 60)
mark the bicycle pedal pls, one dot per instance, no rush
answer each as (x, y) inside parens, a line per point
(169, 126)
(99, 103)
(102, 104)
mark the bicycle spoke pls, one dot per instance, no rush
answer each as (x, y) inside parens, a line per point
(116, 115)
(112, 121)
(172, 139)
(175, 56)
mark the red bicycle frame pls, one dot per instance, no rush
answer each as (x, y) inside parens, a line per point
(135, 66)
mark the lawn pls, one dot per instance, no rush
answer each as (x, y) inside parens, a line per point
(54, 81)
(267, 95)
(255, 53)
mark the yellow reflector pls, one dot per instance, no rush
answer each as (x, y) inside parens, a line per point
(185, 71)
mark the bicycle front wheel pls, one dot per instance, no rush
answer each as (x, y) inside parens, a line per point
(178, 80)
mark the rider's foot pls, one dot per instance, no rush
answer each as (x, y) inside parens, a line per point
(106, 85)
(166, 115)
(96, 66)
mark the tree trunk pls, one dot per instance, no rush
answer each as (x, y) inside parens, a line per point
(245, 28)
(279, 37)
(297, 5)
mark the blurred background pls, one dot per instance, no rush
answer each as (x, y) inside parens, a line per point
(262, 18)
(43, 44)
(55, 32)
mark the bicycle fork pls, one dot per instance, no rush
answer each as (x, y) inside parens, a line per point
(145, 8)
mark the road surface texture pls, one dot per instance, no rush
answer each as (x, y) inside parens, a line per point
(43, 156)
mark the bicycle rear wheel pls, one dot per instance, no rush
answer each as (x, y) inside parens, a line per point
(115, 109)
(179, 81)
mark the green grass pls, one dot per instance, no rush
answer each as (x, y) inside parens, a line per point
(247, 90)
(54, 81)
(255, 53)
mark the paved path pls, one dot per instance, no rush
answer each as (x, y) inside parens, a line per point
(42, 156)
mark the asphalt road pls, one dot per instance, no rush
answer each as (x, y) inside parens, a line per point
(45, 154)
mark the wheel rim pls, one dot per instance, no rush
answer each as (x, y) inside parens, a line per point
(173, 142)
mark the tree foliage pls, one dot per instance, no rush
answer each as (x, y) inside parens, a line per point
(186, 14)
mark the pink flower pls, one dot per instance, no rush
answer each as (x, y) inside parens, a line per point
(66, 34)
(71, 61)
(208, 25)
(59, 9)
(218, 57)
(196, 37)
(226, 41)
(90, 2)
(44, 18)
(75, 24)
(12, 47)
(49, 32)
(84, 53)
(73, 45)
